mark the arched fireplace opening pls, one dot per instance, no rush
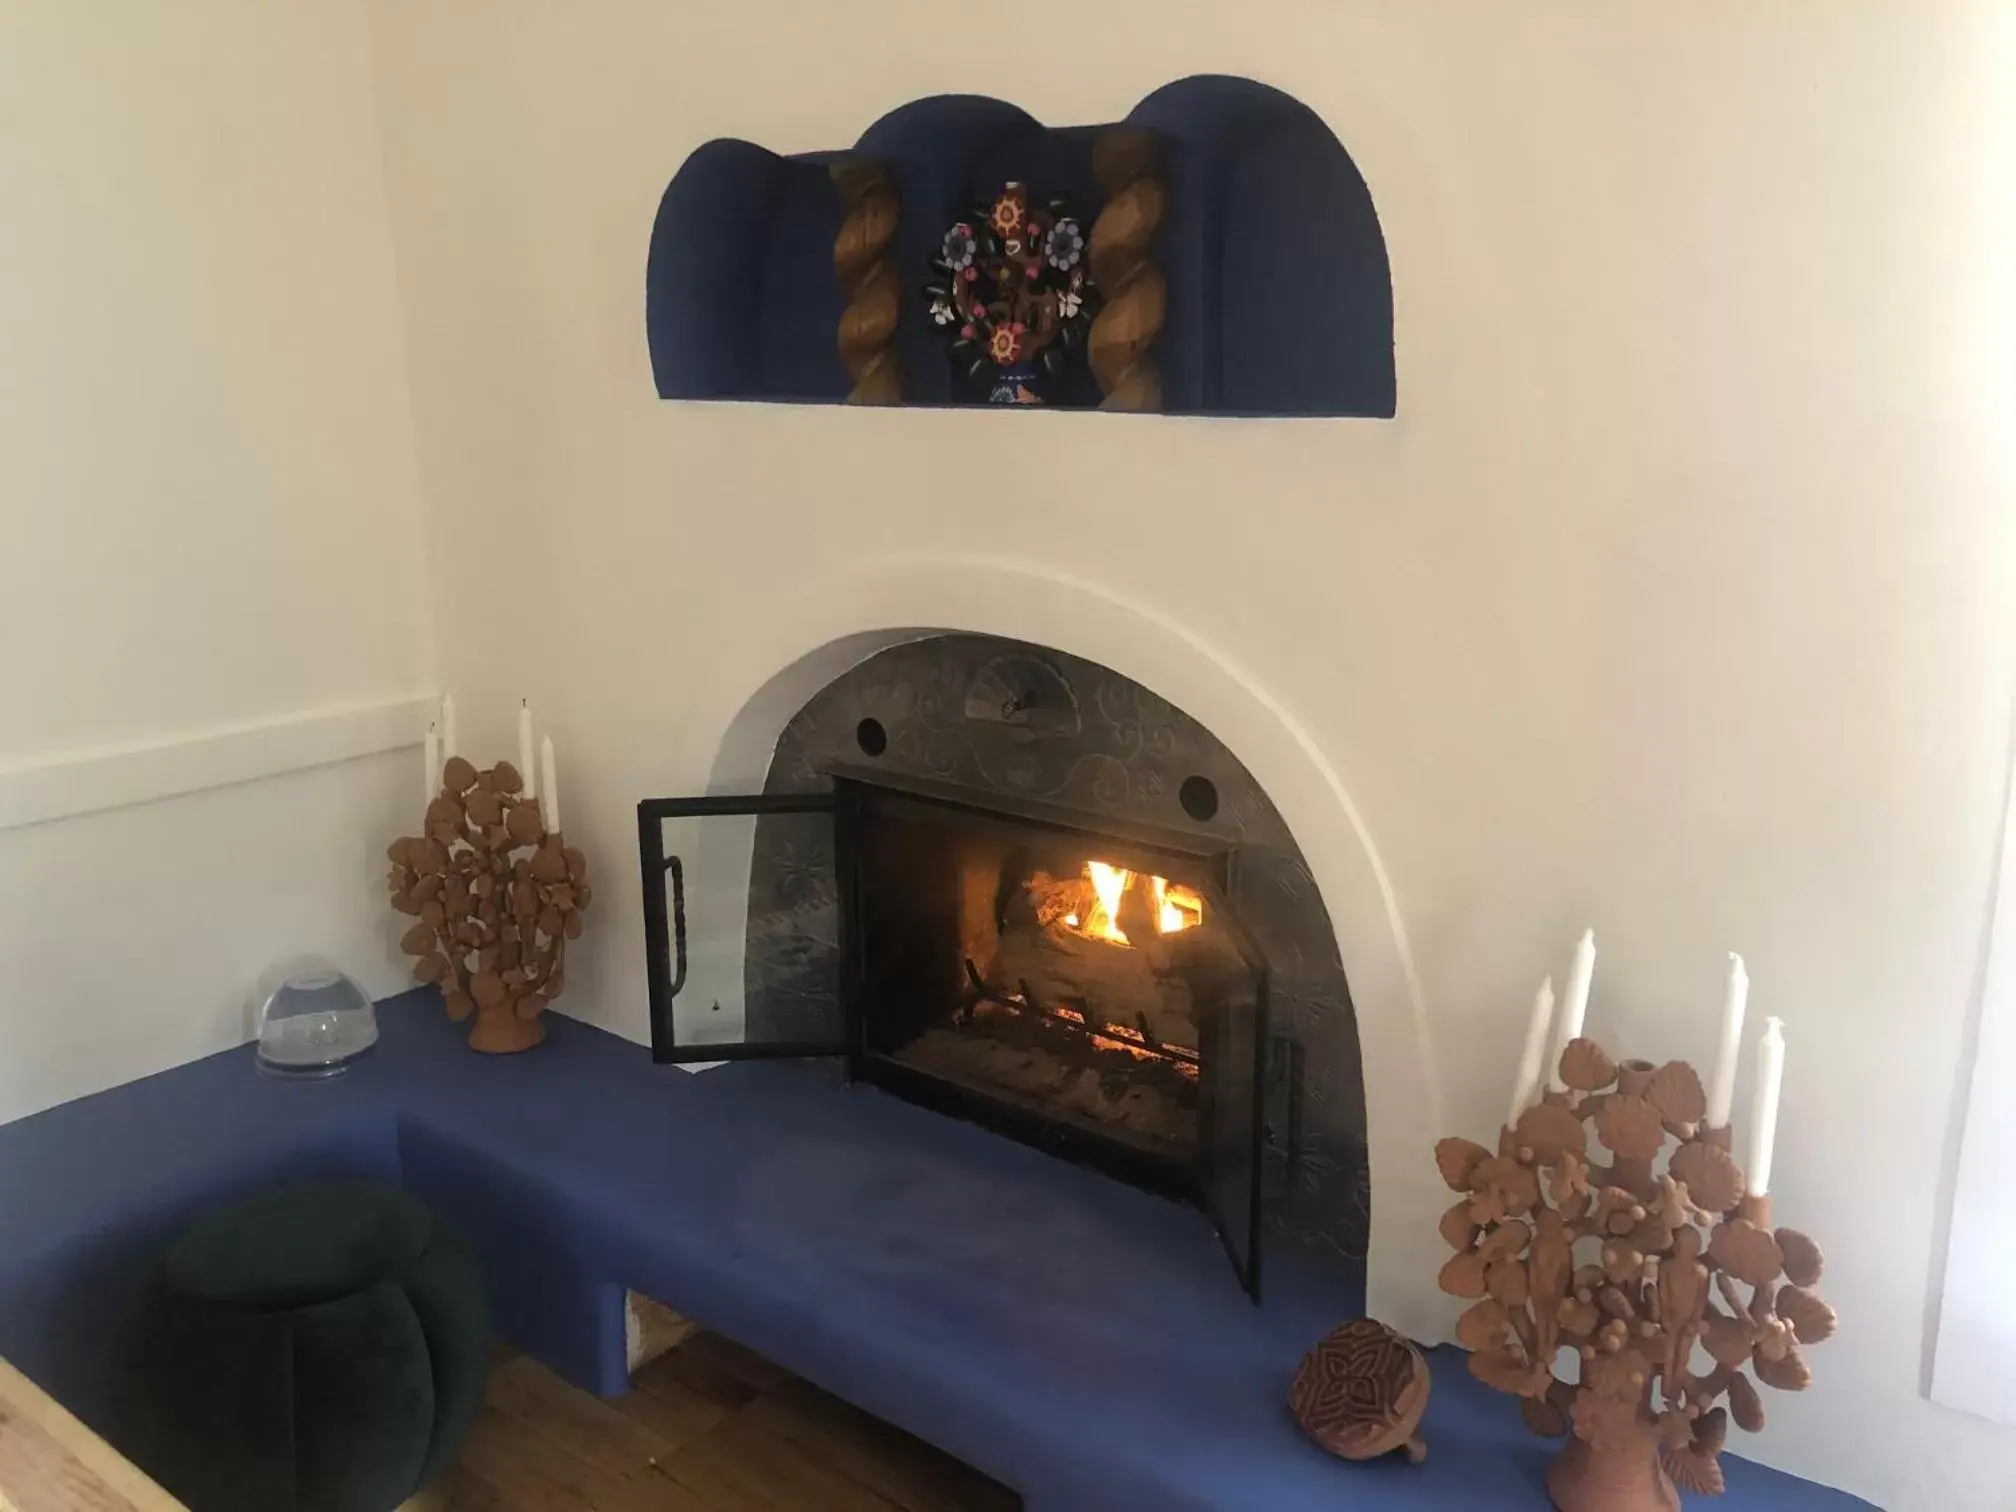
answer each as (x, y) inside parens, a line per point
(1021, 888)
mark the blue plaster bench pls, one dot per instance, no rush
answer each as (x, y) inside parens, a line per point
(1075, 1338)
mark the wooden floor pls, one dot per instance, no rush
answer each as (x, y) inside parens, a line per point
(709, 1427)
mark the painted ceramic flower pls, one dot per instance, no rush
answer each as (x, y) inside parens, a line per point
(1007, 215)
(1065, 245)
(960, 246)
(996, 311)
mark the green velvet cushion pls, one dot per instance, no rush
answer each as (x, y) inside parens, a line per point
(300, 1246)
(319, 1349)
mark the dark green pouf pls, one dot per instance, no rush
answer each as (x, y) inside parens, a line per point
(318, 1349)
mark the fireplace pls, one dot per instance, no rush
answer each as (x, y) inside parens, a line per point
(1058, 973)
(1089, 991)
(1009, 886)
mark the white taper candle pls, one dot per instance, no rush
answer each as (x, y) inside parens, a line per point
(549, 789)
(1764, 1115)
(525, 748)
(1574, 1003)
(1537, 1028)
(1722, 1081)
(448, 745)
(432, 785)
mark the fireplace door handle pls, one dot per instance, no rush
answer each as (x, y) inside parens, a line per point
(677, 870)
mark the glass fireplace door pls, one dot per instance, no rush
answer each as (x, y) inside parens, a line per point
(1234, 1122)
(742, 927)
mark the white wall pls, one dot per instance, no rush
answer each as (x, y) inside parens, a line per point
(1974, 1364)
(209, 520)
(1676, 602)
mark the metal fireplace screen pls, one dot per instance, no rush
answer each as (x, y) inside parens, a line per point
(1088, 991)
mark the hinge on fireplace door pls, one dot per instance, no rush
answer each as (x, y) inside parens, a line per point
(1283, 1117)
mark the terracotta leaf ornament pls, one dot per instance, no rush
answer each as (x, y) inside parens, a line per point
(1671, 1259)
(495, 899)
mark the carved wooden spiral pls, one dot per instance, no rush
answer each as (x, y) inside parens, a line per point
(1131, 285)
(866, 270)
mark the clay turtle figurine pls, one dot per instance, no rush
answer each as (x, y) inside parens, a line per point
(1361, 1392)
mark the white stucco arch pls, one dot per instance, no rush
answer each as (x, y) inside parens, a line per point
(813, 634)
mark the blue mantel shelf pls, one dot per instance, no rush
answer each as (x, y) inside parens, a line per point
(1279, 296)
(1071, 1336)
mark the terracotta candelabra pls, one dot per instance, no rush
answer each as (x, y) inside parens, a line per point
(1626, 1265)
(496, 897)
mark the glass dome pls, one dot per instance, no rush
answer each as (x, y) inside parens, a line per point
(314, 1021)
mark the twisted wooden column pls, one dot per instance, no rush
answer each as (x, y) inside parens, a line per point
(866, 269)
(1131, 286)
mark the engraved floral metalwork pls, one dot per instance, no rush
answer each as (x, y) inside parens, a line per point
(998, 716)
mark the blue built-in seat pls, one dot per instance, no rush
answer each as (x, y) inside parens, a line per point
(1280, 300)
(1076, 1338)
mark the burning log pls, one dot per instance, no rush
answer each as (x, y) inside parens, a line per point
(1117, 984)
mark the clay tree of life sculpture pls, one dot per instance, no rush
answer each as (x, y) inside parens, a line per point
(1630, 1268)
(495, 898)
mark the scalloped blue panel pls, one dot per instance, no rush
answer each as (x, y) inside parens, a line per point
(1280, 295)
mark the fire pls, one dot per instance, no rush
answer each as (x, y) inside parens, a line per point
(1109, 885)
(1176, 907)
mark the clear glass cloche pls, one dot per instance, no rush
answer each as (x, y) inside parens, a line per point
(314, 1021)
